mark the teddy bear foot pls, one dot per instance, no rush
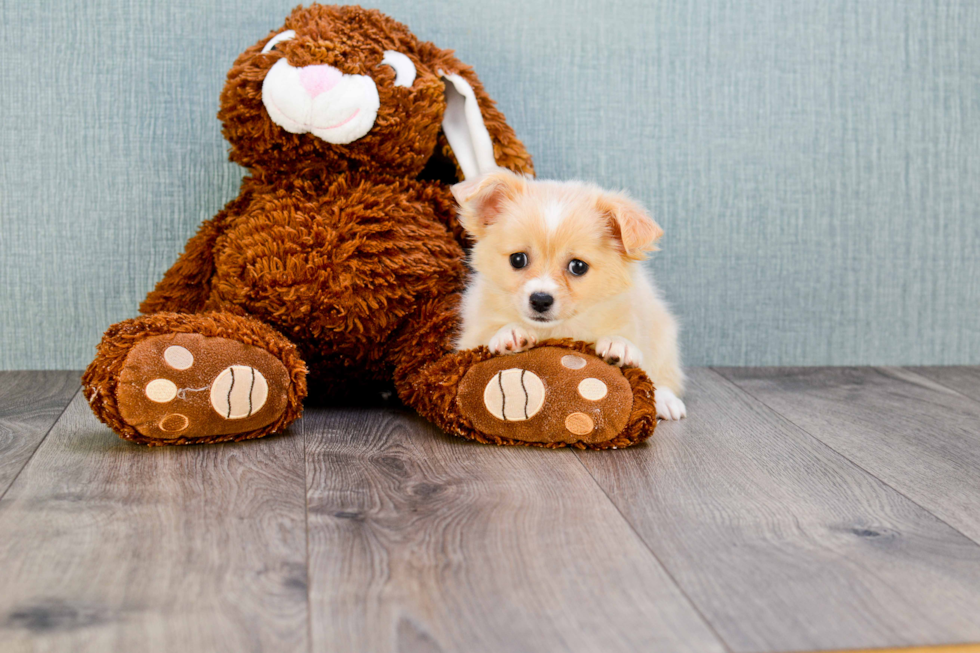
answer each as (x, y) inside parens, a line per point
(189, 386)
(555, 395)
(186, 378)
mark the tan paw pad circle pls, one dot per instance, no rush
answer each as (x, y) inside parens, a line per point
(592, 389)
(579, 424)
(514, 395)
(178, 357)
(573, 362)
(161, 390)
(174, 422)
(238, 392)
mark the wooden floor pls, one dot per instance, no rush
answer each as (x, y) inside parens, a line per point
(794, 510)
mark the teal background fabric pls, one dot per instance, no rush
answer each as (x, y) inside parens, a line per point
(815, 165)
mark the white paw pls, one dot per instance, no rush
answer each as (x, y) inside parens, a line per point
(511, 339)
(619, 351)
(669, 405)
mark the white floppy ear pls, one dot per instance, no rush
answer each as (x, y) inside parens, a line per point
(464, 129)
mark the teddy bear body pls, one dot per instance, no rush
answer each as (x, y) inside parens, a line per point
(339, 264)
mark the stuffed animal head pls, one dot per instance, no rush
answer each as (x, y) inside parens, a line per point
(345, 88)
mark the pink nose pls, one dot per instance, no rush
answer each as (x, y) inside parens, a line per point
(319, 79)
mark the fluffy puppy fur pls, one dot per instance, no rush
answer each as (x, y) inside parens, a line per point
(562, 260)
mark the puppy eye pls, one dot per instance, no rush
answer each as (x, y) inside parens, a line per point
(577, 267)
(404, 68)
(277, 39)
(518, 260)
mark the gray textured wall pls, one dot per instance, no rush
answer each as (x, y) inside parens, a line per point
(815, 164)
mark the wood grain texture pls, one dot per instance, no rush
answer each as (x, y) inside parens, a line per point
(917, 435)
(782, 543)
(964, 379)
(109, 546)
(30, 403)
(421, 542)
(952, 648)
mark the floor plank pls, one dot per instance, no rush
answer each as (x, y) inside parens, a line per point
(963, 379)
(782, 543)
(110, 546)
(422, 542)
(952, 648)
(30, 403)
(918, 436)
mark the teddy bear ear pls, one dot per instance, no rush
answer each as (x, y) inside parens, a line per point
(481, 200)
(463, 125)
(474, 130)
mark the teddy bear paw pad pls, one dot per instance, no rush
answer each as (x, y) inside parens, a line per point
(546, 395)
(188, 385)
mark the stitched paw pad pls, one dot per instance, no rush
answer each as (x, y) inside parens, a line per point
(190, 386)
(547, 395)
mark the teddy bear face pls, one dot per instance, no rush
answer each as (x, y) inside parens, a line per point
(336, 88)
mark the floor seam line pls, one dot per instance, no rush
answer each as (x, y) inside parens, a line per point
(660, 562)
(911, 370)
(847, 458)
(39, 443)
(306, 522)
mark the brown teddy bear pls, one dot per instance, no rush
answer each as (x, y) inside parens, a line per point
(341, 259)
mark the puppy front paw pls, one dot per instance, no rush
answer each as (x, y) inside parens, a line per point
(669, 405)
(619, 351)
(511, 339)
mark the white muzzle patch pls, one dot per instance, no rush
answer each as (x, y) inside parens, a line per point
(320, 100)
(543, 284)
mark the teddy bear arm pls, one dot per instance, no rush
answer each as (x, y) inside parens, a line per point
(424, 338)
(186, 286)
(438, 196)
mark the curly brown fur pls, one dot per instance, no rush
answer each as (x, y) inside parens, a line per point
(101, 378)
(187, 285)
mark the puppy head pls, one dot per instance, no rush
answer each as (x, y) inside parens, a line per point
(553, 249)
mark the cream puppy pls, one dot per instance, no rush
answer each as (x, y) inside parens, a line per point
(562, 260)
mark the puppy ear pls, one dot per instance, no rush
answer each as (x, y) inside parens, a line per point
(631, 227)
(481, 200)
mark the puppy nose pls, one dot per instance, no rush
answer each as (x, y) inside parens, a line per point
(319, 79)
(541, 301)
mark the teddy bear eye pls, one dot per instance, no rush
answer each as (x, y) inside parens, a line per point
(404, 68)
(277, 39)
